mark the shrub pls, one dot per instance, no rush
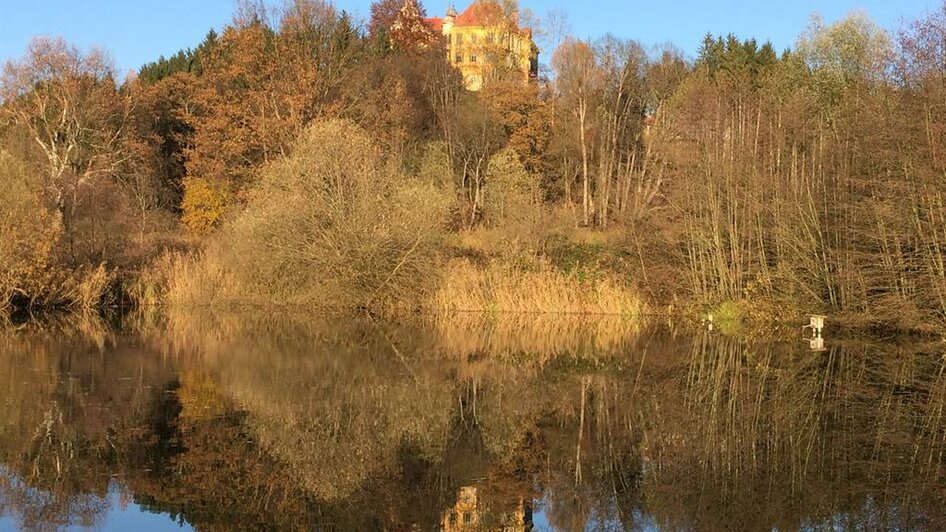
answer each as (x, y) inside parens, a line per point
(330, 225)
(434, 165)
(29, 233)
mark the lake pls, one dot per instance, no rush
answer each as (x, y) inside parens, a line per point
(221, 421)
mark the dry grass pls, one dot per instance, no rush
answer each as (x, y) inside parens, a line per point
(184, 280)
(543, 336)
(89, 288)
(538, 289)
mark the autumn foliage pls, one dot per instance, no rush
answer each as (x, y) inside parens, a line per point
(778, 183)
(331, 225)
(29, 234)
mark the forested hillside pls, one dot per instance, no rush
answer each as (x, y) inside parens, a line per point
(302, 157)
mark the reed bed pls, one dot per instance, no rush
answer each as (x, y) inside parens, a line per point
(184, 280)
(499, 288)
(544, 336)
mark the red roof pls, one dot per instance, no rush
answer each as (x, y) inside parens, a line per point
(480, 14)
(435, 23)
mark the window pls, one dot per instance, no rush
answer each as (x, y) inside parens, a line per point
(490, 38)
(467, 518)
(459, 38)
(472, 58)
(459, 58)
(473, 38)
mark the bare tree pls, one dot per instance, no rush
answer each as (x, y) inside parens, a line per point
(578, 78)
(69, 105)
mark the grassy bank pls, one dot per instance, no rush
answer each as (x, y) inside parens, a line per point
(200, 279)
(538, 288)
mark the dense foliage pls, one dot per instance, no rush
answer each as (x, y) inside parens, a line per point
(793, 182)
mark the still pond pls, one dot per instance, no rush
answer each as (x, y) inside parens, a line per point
(461, 423)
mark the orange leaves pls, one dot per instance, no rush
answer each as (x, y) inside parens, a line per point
(409, 32)
(234, 99)
(258, 88)
(525, 118)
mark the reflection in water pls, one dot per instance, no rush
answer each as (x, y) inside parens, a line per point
(455, 423)
(468, 514)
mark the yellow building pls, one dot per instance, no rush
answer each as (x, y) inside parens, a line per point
(484, 42)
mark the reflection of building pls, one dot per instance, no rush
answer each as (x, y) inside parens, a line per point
(468, 515)
(463, 515)
(484, 40)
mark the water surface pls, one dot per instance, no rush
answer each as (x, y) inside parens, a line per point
(230, 421)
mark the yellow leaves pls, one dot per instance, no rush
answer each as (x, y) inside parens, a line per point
(204, 205)
(29, 233)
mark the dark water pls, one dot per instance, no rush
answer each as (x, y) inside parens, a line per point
(222, 422)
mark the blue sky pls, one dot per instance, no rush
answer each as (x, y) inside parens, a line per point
(138, 31)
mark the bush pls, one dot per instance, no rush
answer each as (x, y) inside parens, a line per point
(434, 165)
(331, 225)
(29, 233)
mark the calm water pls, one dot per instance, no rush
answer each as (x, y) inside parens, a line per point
(220, 422)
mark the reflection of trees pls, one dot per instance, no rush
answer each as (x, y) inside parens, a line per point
(72, 393)
(288, 423)
(778, 437)
(336, 426)
(42, 510)
(334, 402)
(218, 477)
(366, 414)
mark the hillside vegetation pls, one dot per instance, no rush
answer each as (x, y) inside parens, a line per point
(302, 158)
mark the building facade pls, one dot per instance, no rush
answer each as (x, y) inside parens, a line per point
(484, 42)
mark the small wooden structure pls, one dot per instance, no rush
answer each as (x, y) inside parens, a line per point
(816, 322)
(816, 344)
